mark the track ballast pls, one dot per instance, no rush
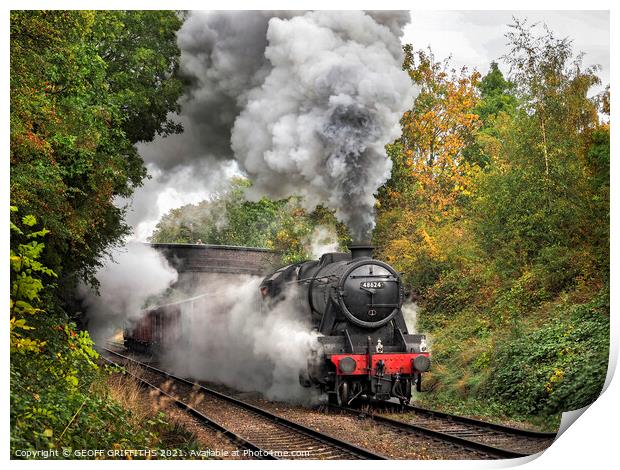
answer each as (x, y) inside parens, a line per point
(262, 433)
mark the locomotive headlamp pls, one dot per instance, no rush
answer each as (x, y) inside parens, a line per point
(421, 363)
(423, 345)
(347, 365)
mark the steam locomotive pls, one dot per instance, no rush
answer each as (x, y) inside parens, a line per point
(355, 304)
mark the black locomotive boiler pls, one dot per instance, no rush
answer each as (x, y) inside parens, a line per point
(355, 304)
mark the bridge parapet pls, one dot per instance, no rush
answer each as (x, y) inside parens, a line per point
(198, 265)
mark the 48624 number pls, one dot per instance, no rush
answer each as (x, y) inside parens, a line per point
(371, 284)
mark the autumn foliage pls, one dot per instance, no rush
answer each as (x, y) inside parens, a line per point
(497, 213)
(432, 175)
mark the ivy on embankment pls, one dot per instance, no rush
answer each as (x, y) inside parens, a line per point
(559, 367)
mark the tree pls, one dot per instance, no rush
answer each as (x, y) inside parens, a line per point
(229, 219)
(543, 73)
(438, 127)
(225, 219)
(496, 107)
(536, 197)
(496, 94)
(86, 87)
(142, 61)
(431, 176)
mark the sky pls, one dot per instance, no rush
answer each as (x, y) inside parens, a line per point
(472, 38)
(475, 38)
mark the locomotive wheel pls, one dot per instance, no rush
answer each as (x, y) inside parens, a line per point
(342, 394)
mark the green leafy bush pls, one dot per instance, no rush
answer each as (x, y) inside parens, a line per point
(25, 283)
(558, 367)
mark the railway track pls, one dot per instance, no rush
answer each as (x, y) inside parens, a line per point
(490, 439)
(259, 432)
(451, 436)
(498, 435)
(235, 439)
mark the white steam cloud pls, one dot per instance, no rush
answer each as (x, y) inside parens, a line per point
(231, 341)
(410, 313)
(303, 101)
(136, 273)
(318, 124)
(323, 239)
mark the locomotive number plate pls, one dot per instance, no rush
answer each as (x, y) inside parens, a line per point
(372, 284)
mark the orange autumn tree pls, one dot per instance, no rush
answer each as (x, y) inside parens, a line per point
(431, 177)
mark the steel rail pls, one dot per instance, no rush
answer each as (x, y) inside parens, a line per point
(477, 422)
(467, 444)
(233, 437)
(344, 446)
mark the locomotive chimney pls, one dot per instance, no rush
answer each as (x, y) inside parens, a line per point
(361, 250)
